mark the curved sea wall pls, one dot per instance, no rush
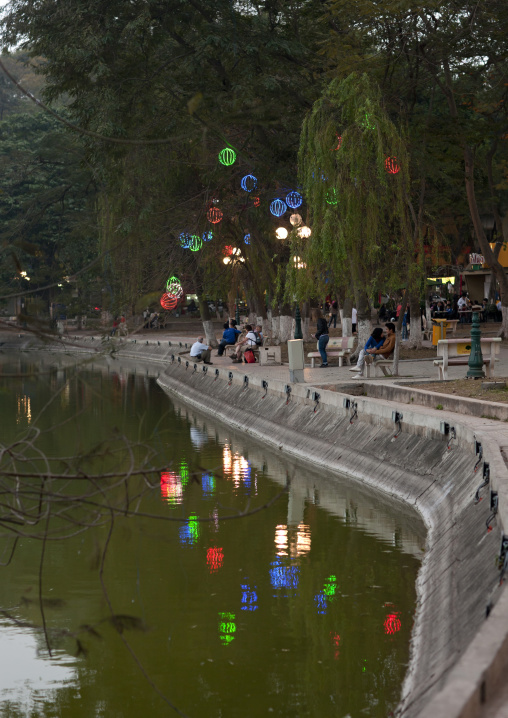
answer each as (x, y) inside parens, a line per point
(458, 658)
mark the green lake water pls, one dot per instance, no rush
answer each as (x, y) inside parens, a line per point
(137, 597)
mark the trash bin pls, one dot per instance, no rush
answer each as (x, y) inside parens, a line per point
(439, 327)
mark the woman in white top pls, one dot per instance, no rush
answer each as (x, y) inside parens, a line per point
(248, 342)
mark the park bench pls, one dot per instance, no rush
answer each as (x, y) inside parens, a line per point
(379, 365)
(455, 352)
(341, 347)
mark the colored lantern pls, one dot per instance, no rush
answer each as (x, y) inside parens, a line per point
(281, 233)
(255, 201)
(304, 232)
(298, 264)
(195, 243)
(278, 207)
(214, 215)
(249, 182)
(366, 122)
(227, 156)
(294, 199)
(391, 165)
(228, 250)
(331, 196)
(207, 236)
(246, 239)
(339, 142)
(174, 287)
(392, 624)
(296, 220)
(184, 240)
(168, 301)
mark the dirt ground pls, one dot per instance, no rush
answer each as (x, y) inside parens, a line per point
(471, 388)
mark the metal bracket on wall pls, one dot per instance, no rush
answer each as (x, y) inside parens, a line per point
(485, 482)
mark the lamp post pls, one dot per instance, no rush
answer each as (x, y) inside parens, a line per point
(475, 362)
(237, 311)
(298, 323)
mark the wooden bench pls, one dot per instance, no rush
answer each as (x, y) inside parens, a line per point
(341, 347)
(455, 352)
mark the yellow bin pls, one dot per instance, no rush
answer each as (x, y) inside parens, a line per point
(439, 327)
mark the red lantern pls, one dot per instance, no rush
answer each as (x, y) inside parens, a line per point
(392, 623)
(227, 251)
(255, 201)
(214, 215)
(339, 142)
(168, 301)
(391, 165)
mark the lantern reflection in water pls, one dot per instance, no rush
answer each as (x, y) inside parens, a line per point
(171, 488)
(392, 623)
(227, 627)
(335, 642)
(292, 541)
(330, 587)
(24, 409)
(249, 598)
(208, 485)
(214, 558)
(189, 532)
(284, 575)
(237, 467)
(320, 601)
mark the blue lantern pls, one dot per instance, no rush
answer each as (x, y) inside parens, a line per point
(278, 207)
(246, 239)
(207, 236)
(185, 239)
(294, 200)
(249, 182)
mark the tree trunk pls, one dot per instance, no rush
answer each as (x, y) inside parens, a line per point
(347, 326)
(206, 318)
(415, 335)
(364, 326)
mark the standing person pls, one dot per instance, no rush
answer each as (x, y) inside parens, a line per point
(354, 320)
(333, 316)
(322, 337)
(375, 341)
(123, 326)
(462, 307)
(200, 351)
(116, 322)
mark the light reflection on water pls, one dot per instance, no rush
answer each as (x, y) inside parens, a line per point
(272, 589)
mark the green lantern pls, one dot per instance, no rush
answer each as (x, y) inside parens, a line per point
(195, 243)
(331, 196)
(227, 156)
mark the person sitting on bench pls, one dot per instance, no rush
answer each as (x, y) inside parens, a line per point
(375, 341)
(229, 336)
(248, 342)
(383, 352)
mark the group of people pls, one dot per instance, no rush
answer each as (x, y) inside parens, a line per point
(120, 326)
(380, 345)
(249, 339)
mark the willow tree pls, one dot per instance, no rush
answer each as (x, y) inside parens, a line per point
(354, 169)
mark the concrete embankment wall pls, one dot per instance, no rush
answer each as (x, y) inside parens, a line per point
(451, 638)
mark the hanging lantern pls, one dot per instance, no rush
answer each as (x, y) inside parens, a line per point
(174, 287)
(227, 156)
(304, 232)
(168, 301)
(331, 196)
(228, 250)
(298, 264)
(296, 220)
(281, 233)
(367, 122)
(339, 142)
(246, 238)
(294, 200)
(391, 165)
(184, 240)
(195, 243)
(255, 201)
(278, 207)
(214, 215)
(249, 182)
(207, 236)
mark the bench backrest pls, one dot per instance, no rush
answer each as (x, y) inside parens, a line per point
(341, 343)
(462, 347)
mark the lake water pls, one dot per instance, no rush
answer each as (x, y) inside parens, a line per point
(163, 567)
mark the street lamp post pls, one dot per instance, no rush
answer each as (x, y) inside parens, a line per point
(298, 323)
(475, 362)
